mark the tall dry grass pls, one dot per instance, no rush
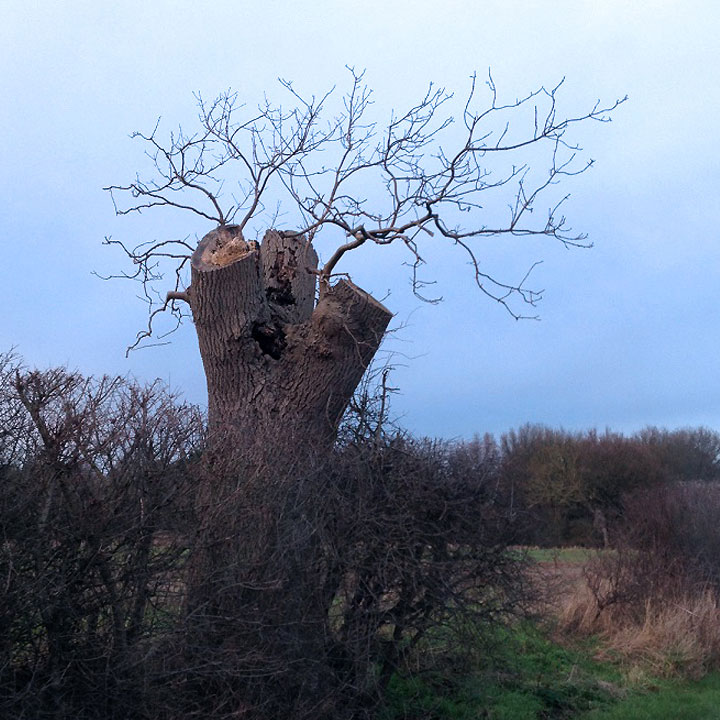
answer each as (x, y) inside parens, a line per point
(655, 599)
(678, 636)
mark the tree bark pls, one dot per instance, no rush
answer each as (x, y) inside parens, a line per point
(280, 367)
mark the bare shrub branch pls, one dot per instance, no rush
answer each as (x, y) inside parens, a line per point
(94, 516)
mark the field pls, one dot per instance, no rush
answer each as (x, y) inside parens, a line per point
(536, 670)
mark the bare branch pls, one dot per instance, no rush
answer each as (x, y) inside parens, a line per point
(347, 177)
(175, 295)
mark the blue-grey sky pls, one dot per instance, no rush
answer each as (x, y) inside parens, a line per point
(630, 330)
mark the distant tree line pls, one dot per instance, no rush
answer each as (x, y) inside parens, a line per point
(571, 488)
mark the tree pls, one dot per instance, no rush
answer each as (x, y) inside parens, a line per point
(285, 339)
(339, 578)
(689, 454)
(555, 483)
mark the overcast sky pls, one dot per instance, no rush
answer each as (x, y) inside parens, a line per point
(629, 332)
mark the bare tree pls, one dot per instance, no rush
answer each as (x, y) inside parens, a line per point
(285, 339)
(293, 563)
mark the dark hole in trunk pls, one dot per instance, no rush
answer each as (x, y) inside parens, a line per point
(280, 295)
(270, 338)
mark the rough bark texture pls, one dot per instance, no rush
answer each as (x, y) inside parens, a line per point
(280, 368)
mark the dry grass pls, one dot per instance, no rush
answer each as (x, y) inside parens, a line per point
(679, 636)
(655, 600)
(652, 616)
(557, 574)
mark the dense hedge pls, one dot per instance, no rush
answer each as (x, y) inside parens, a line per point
(295, 595)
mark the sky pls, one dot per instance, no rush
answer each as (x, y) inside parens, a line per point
(629, 331)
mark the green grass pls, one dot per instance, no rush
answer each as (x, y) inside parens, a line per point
(526, 676)
(673, 701)
(574, 555)
(523, 675)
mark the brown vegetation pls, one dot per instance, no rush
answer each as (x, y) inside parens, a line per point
(146, 574)
(655, 598)
(571, 488)
(293, 594)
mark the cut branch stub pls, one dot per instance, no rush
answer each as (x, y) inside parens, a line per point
(345, 332)
(290, 275)
(226, 284)
(348, 315)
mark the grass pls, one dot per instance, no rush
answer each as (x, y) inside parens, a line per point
(526, 675)
(672, 638)
(529, 672)
(569, 555)
(523, 674)
(673, 701)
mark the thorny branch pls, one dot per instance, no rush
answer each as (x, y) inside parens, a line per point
(422, 176)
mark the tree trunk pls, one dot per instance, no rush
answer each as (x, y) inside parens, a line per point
(600, 524)
(280, 367)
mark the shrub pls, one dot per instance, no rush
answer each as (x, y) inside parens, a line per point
(92, 480)
(145, 575)
(349, 567)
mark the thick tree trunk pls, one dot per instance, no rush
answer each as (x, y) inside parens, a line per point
(280, 367)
